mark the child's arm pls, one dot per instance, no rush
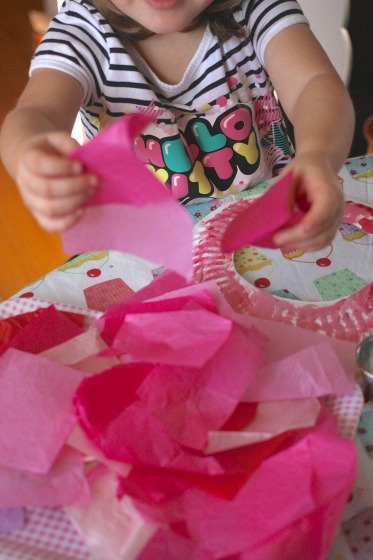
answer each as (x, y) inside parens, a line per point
(317, 103)
(35, 142)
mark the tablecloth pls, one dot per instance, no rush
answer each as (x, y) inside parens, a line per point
(94, 281)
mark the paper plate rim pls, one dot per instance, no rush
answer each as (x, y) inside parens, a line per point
(210, 263)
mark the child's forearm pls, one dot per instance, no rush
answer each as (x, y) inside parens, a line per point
(50, 102)
(36, 149)
(323, 119)
(312, 94)
(19, 128)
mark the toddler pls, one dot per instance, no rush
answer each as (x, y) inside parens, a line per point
(211, 75)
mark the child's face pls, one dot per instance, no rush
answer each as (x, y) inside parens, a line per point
(162, 16)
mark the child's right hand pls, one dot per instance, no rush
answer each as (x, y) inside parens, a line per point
(52, 185)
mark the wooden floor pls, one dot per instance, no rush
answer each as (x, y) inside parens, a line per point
(26, 251)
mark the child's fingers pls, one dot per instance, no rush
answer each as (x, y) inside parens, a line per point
(49, 155)
(318, 226)
(62, 142)
(296, 240)
(56, 188)
(307, 228)
(310, 235)
(57, 224)
(56, 208)
(38, 162)
(57, 213)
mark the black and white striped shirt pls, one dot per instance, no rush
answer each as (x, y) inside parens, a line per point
(217, 131)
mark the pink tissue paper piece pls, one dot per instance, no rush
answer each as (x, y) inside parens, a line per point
(268, 213)
(158, 491)
(64, 484)
(150, 445)
(132, 211)
(257, 518)
(123, 177)
(105, 420)
(79, 441)
(167, 406)
(166, 544)
(221, 511)
(254, 524)
(36, 410)
(308, 364)
(111, 528)
(312, 372)
(158, 232)
(111, 321)
(49, 328)
(82, 352)
(11, 519)
(190, 402)
(282, 340)
(186, 338)
(165, 282)
(271, 419)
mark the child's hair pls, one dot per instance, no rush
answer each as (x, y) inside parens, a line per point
(219, 14)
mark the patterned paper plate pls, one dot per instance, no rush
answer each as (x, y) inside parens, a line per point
(328, 291)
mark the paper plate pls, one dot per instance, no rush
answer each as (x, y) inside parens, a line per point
(328, 291)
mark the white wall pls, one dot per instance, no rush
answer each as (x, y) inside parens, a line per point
(328, 19)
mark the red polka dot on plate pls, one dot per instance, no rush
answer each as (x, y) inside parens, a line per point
(262, 283)
(323, 262)
(94, 272)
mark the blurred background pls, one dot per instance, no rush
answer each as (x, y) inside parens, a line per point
(360, 27)
(26, 251)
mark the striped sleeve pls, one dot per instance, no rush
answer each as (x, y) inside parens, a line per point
(75, 43)
(265, 18)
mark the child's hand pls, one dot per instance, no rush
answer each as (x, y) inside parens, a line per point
(53, 186)
(316, 182)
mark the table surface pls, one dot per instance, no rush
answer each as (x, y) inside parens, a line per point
(94, 281)
(97, 280)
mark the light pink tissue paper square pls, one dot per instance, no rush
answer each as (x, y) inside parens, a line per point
(131, 211)
(262, 514)
(314, 371)
(82, 352)
(36, 411)
(187, 337)
(64, 484)
(111, 528)
(271, 419)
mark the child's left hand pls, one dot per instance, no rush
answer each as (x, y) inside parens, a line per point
(315, 181)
